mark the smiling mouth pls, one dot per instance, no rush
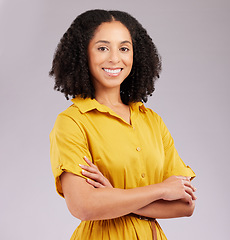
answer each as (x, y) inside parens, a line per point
(113, 71)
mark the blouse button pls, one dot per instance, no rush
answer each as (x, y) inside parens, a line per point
(143, 175)
(138, 149)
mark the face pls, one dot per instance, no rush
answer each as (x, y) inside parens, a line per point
(110, 55)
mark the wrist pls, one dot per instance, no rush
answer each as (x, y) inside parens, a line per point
(158, 191)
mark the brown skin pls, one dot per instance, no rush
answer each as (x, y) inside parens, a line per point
(110, 50)
(157, 209)
(162, 200)
(174, 197)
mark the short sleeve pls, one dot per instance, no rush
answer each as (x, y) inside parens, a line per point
(68, 146)
(173, 164)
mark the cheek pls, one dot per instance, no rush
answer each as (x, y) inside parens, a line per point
(92, 61)
(129, 60)
(96, 59)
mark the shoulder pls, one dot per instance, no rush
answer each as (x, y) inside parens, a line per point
(152, 113)
(68, 121)
(149, 113)
(71, 112)
(156, 117)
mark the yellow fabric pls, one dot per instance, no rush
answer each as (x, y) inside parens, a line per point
(129, 155)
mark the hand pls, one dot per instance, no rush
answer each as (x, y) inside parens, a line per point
(94, 176)
(178, 187)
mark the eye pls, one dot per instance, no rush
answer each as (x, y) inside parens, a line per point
(103, 49)
(124, 49)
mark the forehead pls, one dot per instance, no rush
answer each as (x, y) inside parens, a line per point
(114, 30)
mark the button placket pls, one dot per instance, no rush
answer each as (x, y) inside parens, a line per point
(141, 172)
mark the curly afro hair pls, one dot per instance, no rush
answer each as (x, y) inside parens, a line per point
(70, 64)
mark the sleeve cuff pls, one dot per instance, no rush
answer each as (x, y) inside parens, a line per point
(185, 171)
(60, 169)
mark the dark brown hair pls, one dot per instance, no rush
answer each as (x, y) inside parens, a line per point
(70, 64)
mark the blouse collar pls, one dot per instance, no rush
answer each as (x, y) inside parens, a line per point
(88, 104)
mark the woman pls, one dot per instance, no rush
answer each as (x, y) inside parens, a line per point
(114, 160)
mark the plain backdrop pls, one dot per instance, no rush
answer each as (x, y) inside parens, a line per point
(192, 97)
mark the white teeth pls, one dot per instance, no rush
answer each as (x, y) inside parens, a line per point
(112, 71)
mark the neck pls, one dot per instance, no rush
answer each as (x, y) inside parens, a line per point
(108, 97)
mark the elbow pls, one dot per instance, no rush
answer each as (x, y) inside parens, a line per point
(83, 216)
(189, 213)
(190, 209)
(84, 213)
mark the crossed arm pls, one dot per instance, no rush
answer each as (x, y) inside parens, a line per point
(96, 199)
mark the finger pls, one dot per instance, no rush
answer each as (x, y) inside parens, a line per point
(94, 184)
(191, 186)
(93, 176)
(184, 178)
(188, 184)
(191, 193)
(188, 198)
(89, 169)
(89, 162)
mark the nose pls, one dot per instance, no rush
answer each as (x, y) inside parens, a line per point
(114, 56)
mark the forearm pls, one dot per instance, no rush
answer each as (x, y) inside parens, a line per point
(111, 203)
(167, 209)
(89, 203)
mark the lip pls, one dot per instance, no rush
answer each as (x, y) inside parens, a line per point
(112, 72)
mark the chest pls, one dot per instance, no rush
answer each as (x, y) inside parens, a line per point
(127, 154)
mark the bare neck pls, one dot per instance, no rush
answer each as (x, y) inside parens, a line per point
(109, 98)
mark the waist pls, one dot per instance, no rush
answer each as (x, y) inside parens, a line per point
(141, 217)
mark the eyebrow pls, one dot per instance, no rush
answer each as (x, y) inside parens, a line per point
(107, 42)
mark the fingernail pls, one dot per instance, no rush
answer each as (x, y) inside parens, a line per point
(83, 171)
(80, 165)
(85, 157)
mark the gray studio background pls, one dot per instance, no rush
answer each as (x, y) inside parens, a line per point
(192, 96)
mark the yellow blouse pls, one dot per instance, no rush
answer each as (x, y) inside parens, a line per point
(129, 155)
